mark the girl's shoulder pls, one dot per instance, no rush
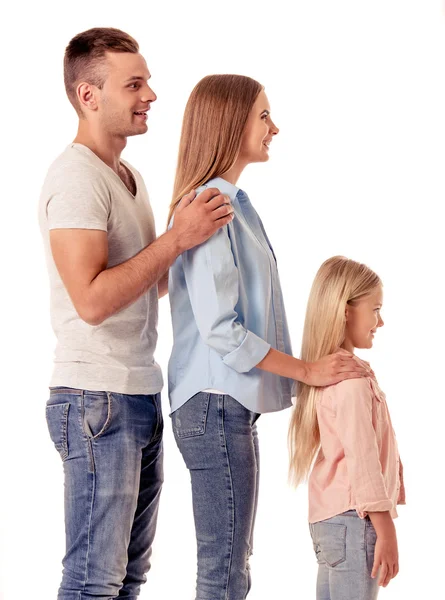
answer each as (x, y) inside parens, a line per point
(348, 390)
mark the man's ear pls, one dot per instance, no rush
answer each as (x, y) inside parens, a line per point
(87, 96)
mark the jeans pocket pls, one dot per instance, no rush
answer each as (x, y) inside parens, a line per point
(57, 421)
(190, 419)
(330, 540)
(96, 413)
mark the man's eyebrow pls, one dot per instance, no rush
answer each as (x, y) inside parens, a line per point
(137, 78)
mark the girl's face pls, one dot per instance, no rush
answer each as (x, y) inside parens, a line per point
(259, 132)
(362, 320)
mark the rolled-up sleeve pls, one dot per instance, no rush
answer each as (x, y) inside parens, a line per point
(353, 406)
(212, 282)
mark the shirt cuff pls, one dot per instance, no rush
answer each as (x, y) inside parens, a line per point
(251, 351)
(378, 506)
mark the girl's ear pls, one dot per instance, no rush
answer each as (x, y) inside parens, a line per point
(347, 313)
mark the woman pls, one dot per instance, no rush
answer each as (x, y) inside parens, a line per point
(231, 358)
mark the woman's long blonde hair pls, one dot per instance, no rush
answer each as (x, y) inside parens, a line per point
(214, 121)
(338, 282)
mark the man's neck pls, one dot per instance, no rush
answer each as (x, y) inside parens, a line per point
(107, 147)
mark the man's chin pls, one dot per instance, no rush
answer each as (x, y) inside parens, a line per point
(139, 130)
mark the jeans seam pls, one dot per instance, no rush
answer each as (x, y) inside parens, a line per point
(221, 409)
(93, 490)
(158, 416)
(65, 432)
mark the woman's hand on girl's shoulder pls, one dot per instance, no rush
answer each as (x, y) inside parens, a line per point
(334, 368)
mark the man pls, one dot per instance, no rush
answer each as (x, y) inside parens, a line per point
(107, 270)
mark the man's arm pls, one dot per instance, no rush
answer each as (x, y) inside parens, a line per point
(163, 285)
(97, 292)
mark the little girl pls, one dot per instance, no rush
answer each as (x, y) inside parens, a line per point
(357, 479)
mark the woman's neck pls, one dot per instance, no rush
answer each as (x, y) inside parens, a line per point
(234, 173)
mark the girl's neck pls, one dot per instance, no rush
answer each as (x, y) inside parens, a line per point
(348, 346)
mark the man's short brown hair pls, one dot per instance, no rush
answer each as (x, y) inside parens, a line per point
(85, 55)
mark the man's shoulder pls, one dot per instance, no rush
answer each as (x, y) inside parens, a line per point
(71, 163)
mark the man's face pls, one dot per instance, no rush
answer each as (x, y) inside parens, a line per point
(125, 97)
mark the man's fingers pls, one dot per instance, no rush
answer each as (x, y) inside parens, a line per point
(217, 201)
(186, 200)
(207, 195)
(223, 221)
(222, 211)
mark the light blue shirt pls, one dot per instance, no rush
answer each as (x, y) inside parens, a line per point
(227, 312)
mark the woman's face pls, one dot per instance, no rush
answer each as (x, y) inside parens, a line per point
(259, 132)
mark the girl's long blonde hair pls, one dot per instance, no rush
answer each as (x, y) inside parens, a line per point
(338, 282)
(214, 121)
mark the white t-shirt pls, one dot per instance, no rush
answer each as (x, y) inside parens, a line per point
(82, 192)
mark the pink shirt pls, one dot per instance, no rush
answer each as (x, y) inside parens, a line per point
(358, 465)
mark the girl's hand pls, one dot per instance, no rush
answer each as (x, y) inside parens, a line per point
(386, 557)
(386, 554)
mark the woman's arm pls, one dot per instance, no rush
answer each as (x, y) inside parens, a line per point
(326, 371)
(213, 284)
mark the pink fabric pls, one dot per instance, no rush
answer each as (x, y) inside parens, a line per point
(358, 465)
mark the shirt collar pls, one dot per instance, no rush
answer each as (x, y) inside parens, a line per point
(224, 187)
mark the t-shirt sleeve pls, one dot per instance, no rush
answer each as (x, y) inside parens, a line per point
(77, 198)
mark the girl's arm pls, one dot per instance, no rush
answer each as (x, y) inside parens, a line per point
(352, 403)
(386, 555)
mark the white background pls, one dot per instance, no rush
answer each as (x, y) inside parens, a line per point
(357, 89)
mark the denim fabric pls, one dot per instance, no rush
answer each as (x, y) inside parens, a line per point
(344, 546)
(111, 448)
(218, 440)
(227, 312)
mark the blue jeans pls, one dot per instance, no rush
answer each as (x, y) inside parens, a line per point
(111, 448)
(344, 546)
(218, 440)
